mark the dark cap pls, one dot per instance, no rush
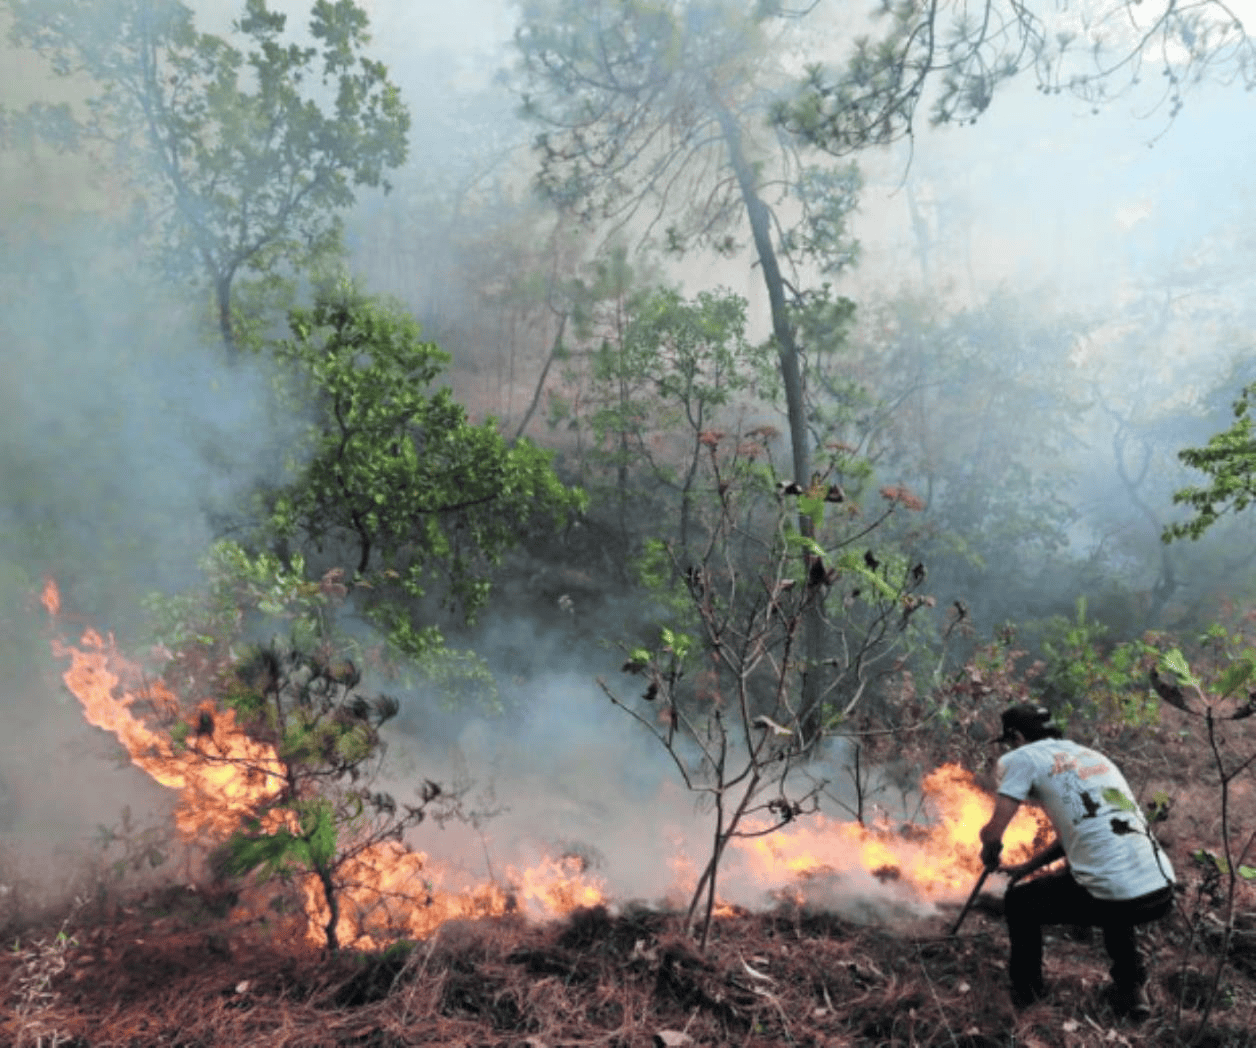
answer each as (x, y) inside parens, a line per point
(1033, 722)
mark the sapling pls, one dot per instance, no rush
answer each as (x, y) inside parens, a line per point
(1226, 700)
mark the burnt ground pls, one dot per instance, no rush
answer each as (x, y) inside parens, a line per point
(175, 970)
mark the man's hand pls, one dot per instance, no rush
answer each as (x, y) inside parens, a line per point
(991, 835)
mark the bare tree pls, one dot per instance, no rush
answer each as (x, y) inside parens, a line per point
(738, 730)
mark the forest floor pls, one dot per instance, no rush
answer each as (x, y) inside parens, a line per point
(172, 969)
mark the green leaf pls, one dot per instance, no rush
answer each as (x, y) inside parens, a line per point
(1248, 873)
(318, 826)
(268, 161)
(850, 561)
(813, 507)
(679, 644)
(805, 545)
(1175, 662)
(1237, 674)
(1118, 799)
(1208, 858)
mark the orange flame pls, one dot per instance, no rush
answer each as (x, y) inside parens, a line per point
(50, 598)
(389, 892)
(937, 861)
(224, 776)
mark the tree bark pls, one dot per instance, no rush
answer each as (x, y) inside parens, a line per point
(222, 292)
(333, 908)
(540, 382)
(787, 347)
(810, 714)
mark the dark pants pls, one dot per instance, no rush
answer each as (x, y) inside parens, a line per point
(1058, 899)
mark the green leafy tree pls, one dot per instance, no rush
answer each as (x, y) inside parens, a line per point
(659, 374)
(1085, 673)
(245, 155)
(1229, 460)
(691, 359)
(393, 476)
(600, 307)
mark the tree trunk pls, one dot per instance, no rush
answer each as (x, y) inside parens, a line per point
(333, 908)
(810, 716)
(555, 349)
(222, 292)
(787, 347)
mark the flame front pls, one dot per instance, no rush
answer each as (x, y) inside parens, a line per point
(389, 892)
(224, 776)
(937, 861)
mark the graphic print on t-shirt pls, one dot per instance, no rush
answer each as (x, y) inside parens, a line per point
(1070, 780)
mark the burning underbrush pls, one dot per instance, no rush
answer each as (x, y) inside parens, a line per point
(167, 971)
(368, 890)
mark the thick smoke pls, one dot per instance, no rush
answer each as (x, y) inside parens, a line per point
(124, 438)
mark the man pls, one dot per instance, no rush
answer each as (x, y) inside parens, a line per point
(1117, 876)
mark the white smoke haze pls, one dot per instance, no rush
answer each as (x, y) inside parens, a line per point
(569, 774)
(123, 434)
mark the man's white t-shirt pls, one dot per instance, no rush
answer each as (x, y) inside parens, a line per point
(1109, 850)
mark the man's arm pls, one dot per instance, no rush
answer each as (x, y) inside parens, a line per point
(1046, 857)
(992, 832)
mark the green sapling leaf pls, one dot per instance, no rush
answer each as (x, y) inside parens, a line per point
(1237, 674)
(1175, 662)
(1115, 797)
(813, 507)
(1207, 858)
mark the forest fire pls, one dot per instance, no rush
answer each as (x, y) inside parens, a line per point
(221, 774)
(223, 777)
(936, 861)
(392, 893)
